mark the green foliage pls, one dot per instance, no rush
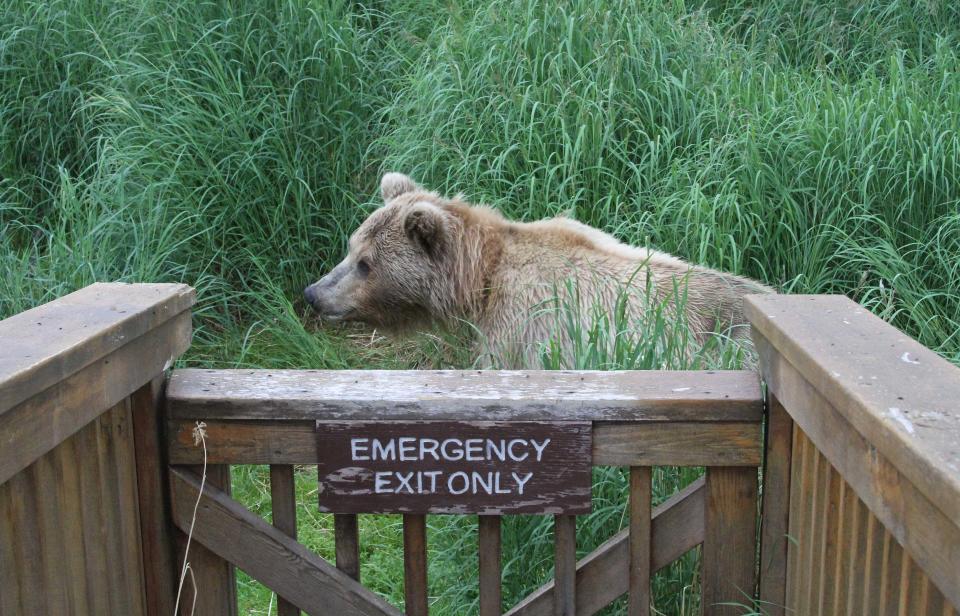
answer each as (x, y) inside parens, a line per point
(235, 145)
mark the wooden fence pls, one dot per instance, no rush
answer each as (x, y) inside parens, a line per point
(83, 527)
(99, 471)
(861, 508)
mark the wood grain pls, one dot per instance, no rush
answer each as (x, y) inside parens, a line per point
(465, 394)
(48, 344)
(640, 520)
(603, 575)
(346, 531)
(415, 565)
(564, 565)
(866, 368)
(268, 555)
(491, 598)
(156, 536)
(706, 443)
(283, 501)
(213, 585)
(730, 540)
(38, 424)
(69, 534)
(916, 523)
(775, 514)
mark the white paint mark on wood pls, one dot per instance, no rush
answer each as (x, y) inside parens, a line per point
(905, 358)
(900, 418)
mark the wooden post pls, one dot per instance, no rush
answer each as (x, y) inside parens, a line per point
(775, 515)
(565, 565)
(730, 540)
(346, 532)
(415, 564)
(640, 523)
(489, 554)
(159, 574)
(216, 583)
(283, 497)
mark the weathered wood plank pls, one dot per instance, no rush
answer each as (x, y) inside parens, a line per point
(475, 395)
(564, 565)
(346, 532)
(856, 557)
(830, 572)
(677, 444)
(775, 514)
(50, 343)
(96, 556)
(491, 599)
(283, 501)
(602, 576)
(156, 536)
(705, 443)
(798, 505)
(40, 423)
(890, 580)
(9, 565)
(926, 532)
(815, 532)
(730, 540)
(214, 576)
(640, 521)
(891, 389)
(70, 511)
(415, 565)
(267, 554)
(125, 533)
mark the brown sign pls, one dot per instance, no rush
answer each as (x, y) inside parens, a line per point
(483, 467)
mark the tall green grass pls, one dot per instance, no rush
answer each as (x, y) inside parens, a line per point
(235, 145)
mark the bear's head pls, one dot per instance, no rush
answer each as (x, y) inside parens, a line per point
(400, 265)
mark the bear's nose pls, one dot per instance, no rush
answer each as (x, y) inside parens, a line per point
(310, 295)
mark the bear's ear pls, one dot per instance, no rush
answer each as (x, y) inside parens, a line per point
(395, 184)
(424, 224)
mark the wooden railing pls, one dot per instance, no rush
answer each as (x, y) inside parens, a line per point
(99, 472)
(861, 508)
(83, 526)
(639, 419)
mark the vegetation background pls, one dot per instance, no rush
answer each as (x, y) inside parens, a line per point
(234, 146)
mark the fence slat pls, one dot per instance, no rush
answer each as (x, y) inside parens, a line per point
(565, 565)
(602, 575)
(415, 564)
(775, 515)
(491, 599)
(730, 540)
(346, 531)
(283, 499)
(640, 522)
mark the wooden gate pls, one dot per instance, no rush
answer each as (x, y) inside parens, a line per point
(99, 473)
(638, 419)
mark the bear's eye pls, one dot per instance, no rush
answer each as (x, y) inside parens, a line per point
(363, 268)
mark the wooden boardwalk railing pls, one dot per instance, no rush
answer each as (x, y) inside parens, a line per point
(639, 419)
(84, 523)
(99, 472)
(861, 511)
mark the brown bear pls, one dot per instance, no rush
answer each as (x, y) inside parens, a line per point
(423, 258)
